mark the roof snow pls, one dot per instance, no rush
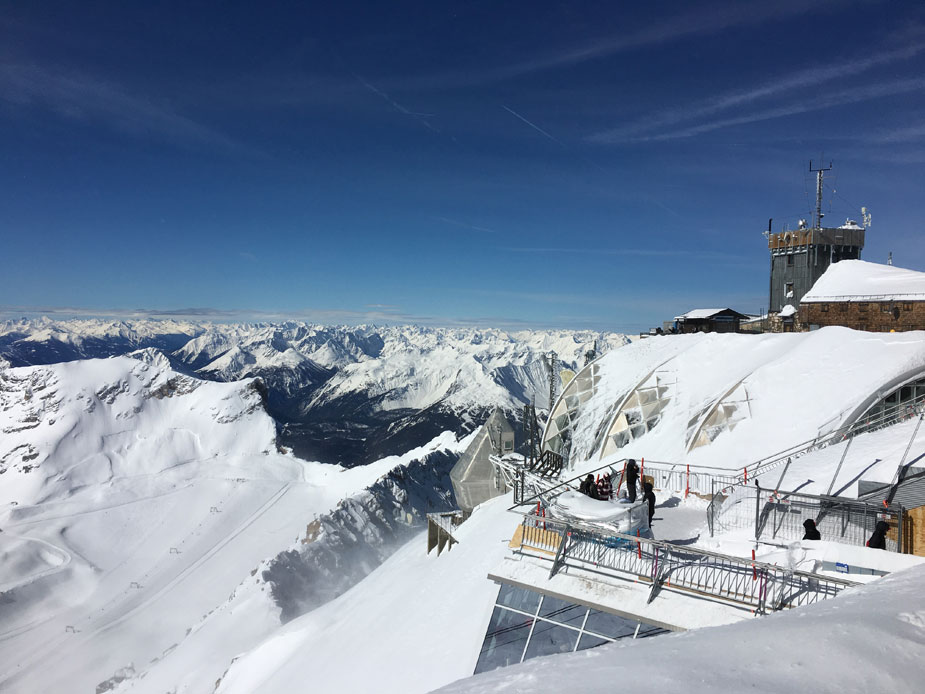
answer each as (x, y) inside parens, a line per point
(703, 313)
(787, 311)
(859, 280)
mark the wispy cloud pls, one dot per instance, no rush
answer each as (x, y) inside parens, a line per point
(901, 135)
(695, 23)
(422, 118)
(465, 225)
(630, 252)
(817, 103)
(788, 85)
(377, 314)
(80, 96)
(533, 125)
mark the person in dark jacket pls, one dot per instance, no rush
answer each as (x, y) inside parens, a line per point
(878, 539)
(650, 497)
(632, 476)
(811, 532)
(588, 486)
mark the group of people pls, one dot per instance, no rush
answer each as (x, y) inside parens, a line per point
(876, 541)
(603, 487)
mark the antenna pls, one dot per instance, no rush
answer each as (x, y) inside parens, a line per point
(865, 217)
(817, 222)
(889, 258)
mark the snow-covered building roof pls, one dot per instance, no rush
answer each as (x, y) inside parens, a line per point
(726, 399)
(858, 280)
(705, 313)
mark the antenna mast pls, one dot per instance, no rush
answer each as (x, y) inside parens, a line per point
(817, 222)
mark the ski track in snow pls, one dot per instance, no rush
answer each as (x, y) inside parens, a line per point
(109, 621)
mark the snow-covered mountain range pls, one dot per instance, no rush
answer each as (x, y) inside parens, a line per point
(340, 394)
(134, 499)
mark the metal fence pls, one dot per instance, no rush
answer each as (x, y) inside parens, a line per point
(780, 515)
(751, 584)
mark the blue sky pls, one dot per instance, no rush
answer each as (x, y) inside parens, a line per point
(546, 164)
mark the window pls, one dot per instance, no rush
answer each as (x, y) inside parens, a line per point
(525, 624)
(862, 307)
(790, 259)
(824, 308)
(508, 445)
(907, 306)
(788, 289)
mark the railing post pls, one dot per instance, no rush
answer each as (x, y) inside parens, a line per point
(711, 509)
(899, 532)
(757, 510)
(560, 554)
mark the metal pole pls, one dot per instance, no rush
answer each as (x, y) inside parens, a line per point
(838, 469)
(757, 508)
(899, 533)
(898, 477)
(712, 508)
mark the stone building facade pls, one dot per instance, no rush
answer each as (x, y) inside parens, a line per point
(874, 316)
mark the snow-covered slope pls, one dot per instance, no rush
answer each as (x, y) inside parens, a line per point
(46, 341)
(342, 394)
(134, 500)
(415, 623)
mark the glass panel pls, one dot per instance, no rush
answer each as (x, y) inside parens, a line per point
(590, 641)
(504, 641)
(549, 638)
(609, 625)
(562, 612)
(518, 598)
(646, 631)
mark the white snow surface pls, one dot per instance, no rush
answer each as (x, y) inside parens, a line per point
(412, 625)
(869, 639)
(700, 313)
(859, 280)
(788, 388)
(133, 502)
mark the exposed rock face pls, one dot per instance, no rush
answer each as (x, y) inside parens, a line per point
(343, 546)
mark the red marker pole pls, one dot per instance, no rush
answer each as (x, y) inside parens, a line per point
(638, 546)
(754, 570)
(687, 487)
(745, 472)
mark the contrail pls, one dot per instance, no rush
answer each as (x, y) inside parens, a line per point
(534, 126)
(394, 104)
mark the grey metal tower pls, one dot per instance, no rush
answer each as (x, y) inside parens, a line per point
(799, 257)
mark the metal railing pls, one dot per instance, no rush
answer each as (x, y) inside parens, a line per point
(748, 583)
(780, 515)
(888, 416)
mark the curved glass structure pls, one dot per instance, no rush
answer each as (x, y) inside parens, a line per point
(639, 412)
(899, 404)
(722, 416)
(559, 432)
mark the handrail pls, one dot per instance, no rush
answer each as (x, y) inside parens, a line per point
(723, 577)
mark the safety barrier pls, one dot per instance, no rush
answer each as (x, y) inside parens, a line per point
(748, 583)
(780, 515)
